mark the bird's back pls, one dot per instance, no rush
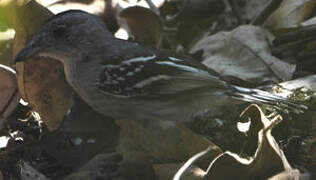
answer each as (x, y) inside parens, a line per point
(132, 81)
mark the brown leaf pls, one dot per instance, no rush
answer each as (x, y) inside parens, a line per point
(287, 175)
(41, 82)
(143, 24)
(267, 160)
(9, 94)
(308, 82)
(166, 142)
(290, 14)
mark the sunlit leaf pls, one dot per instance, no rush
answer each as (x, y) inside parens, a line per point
(52, 97)
(268, 154)
(290, 14)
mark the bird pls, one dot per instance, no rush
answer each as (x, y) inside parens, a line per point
(125, 80)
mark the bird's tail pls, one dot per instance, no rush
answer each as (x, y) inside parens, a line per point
(264, 97)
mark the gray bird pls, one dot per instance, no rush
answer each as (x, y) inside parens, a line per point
(125, 80)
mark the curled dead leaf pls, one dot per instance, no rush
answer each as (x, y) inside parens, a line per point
(290, 14)
(41, 81)
(267, 160)
(143, 24)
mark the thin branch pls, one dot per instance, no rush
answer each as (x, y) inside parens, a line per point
(153, 7)
(266, 12)
(291, 49)
(302, 33)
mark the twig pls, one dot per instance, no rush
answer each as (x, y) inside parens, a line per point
(266, 12)
(302, 33)
(292, 47)
(153, 7)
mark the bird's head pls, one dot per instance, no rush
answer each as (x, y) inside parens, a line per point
(65, 36)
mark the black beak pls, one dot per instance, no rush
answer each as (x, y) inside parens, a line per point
(29, 51)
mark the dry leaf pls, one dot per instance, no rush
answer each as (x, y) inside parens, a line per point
(267, 160)
(9, 94)
(112, 166)
(244, 53)
(287, 175)
(308, 82)
(41, 82)
(288, 88)
(166, 171)
(143, 24)
(166, 142)
(290, 14)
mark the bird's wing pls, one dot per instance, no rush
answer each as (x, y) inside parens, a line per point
(155, 73)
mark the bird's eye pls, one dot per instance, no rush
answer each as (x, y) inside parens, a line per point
(60, 32)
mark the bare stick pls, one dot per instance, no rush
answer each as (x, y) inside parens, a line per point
(153, 7)
(302, 33)
(266, 12)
